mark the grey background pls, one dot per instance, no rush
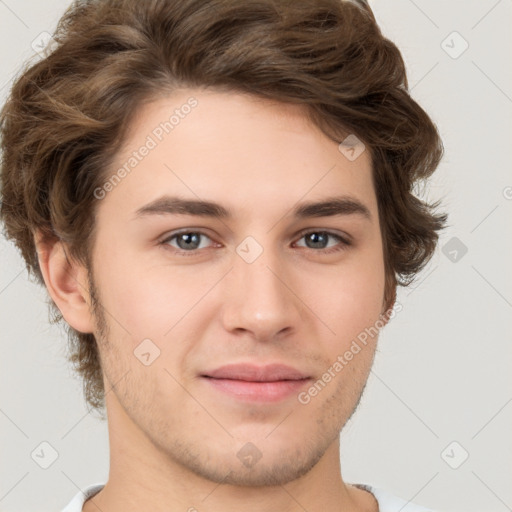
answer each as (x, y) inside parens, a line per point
(442, 372)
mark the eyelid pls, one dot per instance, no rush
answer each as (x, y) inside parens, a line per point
(345, 237)
(171, 234)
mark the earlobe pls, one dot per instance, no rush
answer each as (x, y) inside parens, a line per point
(67, 284)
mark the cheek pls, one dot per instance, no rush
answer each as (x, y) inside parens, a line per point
(347, 299)
(147, 300)
(129, 299)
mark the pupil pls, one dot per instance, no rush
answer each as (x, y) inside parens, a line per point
(315, 237)
(189, 239)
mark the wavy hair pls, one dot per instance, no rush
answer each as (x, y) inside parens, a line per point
(67, 114)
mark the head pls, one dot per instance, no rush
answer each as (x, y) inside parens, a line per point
(243, 104)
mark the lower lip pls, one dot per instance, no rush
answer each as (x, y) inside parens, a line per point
(258, 391)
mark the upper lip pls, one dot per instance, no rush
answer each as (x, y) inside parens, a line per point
(254, 373)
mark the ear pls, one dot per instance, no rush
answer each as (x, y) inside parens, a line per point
(67, 284)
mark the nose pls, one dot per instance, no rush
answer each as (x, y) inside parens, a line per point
(261, 300)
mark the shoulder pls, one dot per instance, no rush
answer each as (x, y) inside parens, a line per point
(389, 502)
(77, 503)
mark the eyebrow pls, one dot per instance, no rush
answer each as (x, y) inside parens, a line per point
(328, 207)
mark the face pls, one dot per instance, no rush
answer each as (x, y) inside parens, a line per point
(228, 330)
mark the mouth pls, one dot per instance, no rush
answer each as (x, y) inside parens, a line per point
(247, 382)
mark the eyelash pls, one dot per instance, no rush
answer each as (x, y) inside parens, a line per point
(340, 247)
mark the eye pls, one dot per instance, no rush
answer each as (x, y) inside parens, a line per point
(187, 241)
(320, 240)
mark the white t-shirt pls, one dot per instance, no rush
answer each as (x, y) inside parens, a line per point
(387, 501)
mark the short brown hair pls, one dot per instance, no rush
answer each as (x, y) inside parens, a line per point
(68, 113)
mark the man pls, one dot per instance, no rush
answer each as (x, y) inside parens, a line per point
(218, 198)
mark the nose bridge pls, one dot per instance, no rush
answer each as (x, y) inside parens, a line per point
(260, 301)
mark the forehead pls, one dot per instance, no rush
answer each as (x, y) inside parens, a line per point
(237, 149)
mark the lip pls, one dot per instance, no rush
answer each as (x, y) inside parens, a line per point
(249, 382)
(255, 373)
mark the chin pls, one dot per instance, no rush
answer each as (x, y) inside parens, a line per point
(262, 474)
(260, 464)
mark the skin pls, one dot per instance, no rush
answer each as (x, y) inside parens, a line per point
(174, 439)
